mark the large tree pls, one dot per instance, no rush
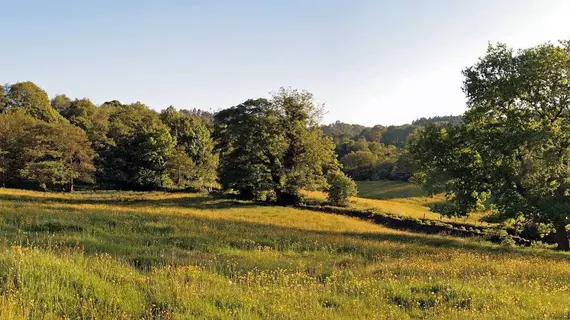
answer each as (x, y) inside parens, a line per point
(273, 146)
(249, 142)
(57, 154)
(136, 149)
(13, 127)
(30, 98)
(513, 148)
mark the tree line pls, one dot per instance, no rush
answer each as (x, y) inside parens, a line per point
(265, 149)
(378, 152)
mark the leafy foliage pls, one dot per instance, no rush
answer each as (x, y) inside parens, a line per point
(61, 102)
(513, 146)
(80, 112)
(341, 189)
(273, 146)
(195, 150)
(57, 155)
(13, 128)
(454, 120)
(341, 129)
(137, 149)
(31, 99)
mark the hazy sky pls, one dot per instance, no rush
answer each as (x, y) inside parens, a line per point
(371, 62)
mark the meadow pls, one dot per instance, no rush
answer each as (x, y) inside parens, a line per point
(129, 255)
(400, 199)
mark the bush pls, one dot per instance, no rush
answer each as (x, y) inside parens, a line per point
(508, 242)
(341, 189)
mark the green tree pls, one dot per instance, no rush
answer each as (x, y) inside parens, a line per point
(338, 129)
(404, 167)
(136, 149)
(57, 154)
(274, 146)
(373, 134)
(182, 169)
(513, 148)
(32, 100)
(341, 188)
(397, 135)
(61, 103)
(192, 138)
(13, 127)
(251, 146)
(206, 116)
(454, 120)
(80, 112)
(360, 145)
(309, 153)
(359, 164)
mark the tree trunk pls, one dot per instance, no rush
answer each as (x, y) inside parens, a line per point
(562, 237)
(72, 186)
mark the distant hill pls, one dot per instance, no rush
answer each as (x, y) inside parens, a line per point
(455, 120)
(390, 135)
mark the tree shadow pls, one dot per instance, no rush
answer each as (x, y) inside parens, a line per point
(209, 202)
(132, 231)
(205, 202)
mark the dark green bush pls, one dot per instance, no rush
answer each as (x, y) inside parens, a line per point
(341, 189)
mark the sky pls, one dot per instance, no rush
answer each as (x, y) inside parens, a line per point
(368, 61)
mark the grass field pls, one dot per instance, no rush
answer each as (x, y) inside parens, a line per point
(398, 198)
(113, 255)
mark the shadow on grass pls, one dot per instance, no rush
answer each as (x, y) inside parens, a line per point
(132, 233)
(196, 202)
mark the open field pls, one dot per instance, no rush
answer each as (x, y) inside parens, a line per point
(110, 255)
(398, 198)
(385, 189)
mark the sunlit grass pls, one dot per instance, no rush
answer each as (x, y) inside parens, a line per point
(398, 198)
(112, 255)
(386, 189)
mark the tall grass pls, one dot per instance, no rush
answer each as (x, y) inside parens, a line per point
(112, 255)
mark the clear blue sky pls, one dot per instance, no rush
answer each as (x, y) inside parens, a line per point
(371, 62)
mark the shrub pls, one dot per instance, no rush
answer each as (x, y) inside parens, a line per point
(341, 189)
(508, 242)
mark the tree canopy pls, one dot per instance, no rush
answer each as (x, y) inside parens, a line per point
(30, 98)
(274, 147)
(194, 147)
(137, 149)
(513, 147)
